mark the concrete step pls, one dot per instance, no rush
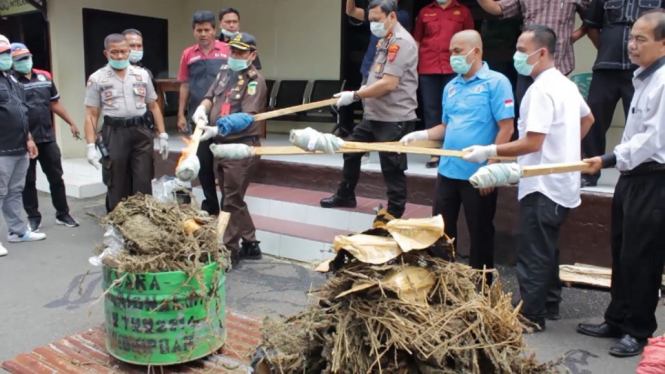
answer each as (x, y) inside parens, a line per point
(291, 224)
(82, 180)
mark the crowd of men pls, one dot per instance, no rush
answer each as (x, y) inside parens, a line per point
(466, 104)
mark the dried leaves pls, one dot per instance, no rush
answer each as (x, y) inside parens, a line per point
(362, 320)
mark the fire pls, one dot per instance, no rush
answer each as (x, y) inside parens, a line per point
(185, 151)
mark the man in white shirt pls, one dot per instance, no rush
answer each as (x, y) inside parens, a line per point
(553, 120)
(638, 205)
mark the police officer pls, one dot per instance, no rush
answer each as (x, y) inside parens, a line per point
(135, 40)
(638, 207)
(238, 93)
(16, 145)
(43, 99)
(125, 97)
(390, 105)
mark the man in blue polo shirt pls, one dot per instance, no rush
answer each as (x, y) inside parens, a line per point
(478, 108)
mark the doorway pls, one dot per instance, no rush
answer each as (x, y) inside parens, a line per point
(31, 29)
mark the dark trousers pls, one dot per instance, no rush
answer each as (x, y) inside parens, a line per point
(393, 165)
(431, 94)
(638, 249)
(50, 160)
(540, 220)
(234, 177)
(479, 212)
(129, 169)
(522, 85)
(607, 87)
(207, 178)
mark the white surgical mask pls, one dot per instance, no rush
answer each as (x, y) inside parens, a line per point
(378, 29)
(135, 56)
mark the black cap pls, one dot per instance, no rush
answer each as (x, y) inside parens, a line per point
(243, 41)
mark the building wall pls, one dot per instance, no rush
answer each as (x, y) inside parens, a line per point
(66, 27)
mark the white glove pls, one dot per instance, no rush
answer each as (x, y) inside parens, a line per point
(209, 132)
(345, 98)
(91, 155)
(200, 114)
(164, 145)
(414, 137)
(480, 153)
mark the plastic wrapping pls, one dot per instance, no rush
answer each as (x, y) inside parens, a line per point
(162, 189)
(653, 357)
(113, 245)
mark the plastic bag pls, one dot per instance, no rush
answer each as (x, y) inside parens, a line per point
(113, 242)
(162, 189)
(653, 357)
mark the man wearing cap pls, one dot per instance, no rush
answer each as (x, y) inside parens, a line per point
(125, 98)
(42, 99)
(238, 93)
(16, 147)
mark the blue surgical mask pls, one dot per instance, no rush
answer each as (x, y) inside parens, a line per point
(521, 66)
(237, 64)
(6, 61)
(378, 29)
(135, 56)
(23, 66)
(441, 1)
(118, 64)
(459, 63)
(229, 34)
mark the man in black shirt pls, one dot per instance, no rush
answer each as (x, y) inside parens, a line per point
(16, 149)
(608, 25)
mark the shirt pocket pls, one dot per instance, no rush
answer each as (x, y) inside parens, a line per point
(614, 11)
(4, 94)
(431, 25)
(647, 5)
(379, 62)
(475, 100)
(139, 95)
(110, 99)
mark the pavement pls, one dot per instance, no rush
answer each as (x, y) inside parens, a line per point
(46, 295)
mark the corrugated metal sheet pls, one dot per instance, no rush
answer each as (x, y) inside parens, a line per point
(86, 353)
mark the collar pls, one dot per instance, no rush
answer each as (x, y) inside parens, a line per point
(644, 73)
(435, 4)
(215, 45)
(545, 73)
(392, 33)
(482, 73)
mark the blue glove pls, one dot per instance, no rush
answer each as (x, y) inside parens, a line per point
(234, 123)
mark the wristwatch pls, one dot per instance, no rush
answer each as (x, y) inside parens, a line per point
(356, 98)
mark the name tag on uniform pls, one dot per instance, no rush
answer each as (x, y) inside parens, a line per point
(451, 91)
(378, 68)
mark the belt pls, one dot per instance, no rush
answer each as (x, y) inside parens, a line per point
(124, 122)
(645, 168)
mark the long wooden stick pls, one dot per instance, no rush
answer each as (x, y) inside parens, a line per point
(410, 149)
(535, 170)
(294, 109)
(292, 150)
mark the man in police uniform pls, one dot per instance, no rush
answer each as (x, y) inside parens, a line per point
(125, 97)
(390, 107)
(238, 92)
(42, 100)
(638, 207)
(135, 39)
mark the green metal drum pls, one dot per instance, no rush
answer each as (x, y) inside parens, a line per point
(165, 318)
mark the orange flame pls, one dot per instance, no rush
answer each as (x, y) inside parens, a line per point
(185, 151)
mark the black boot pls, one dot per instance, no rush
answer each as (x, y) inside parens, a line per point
(344, 198)
(250, 250)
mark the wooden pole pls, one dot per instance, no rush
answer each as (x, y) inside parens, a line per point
(411, 149)
(294, 109)
(544, 169)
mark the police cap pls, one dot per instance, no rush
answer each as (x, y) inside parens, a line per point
(243, 41)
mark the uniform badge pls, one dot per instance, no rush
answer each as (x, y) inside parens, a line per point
(104, 80)
(41, 77)
(378, 68)
(217, 77)
(237, 96)
(457, 12)
(251, 88)
(109, 73)
(141, 91)
(509, 103)
(139, 78)
(109, 102)
(392, 52)
(451, 91)
(108, 94)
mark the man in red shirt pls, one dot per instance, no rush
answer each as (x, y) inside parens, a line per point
(199, 67)
(435, 26)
